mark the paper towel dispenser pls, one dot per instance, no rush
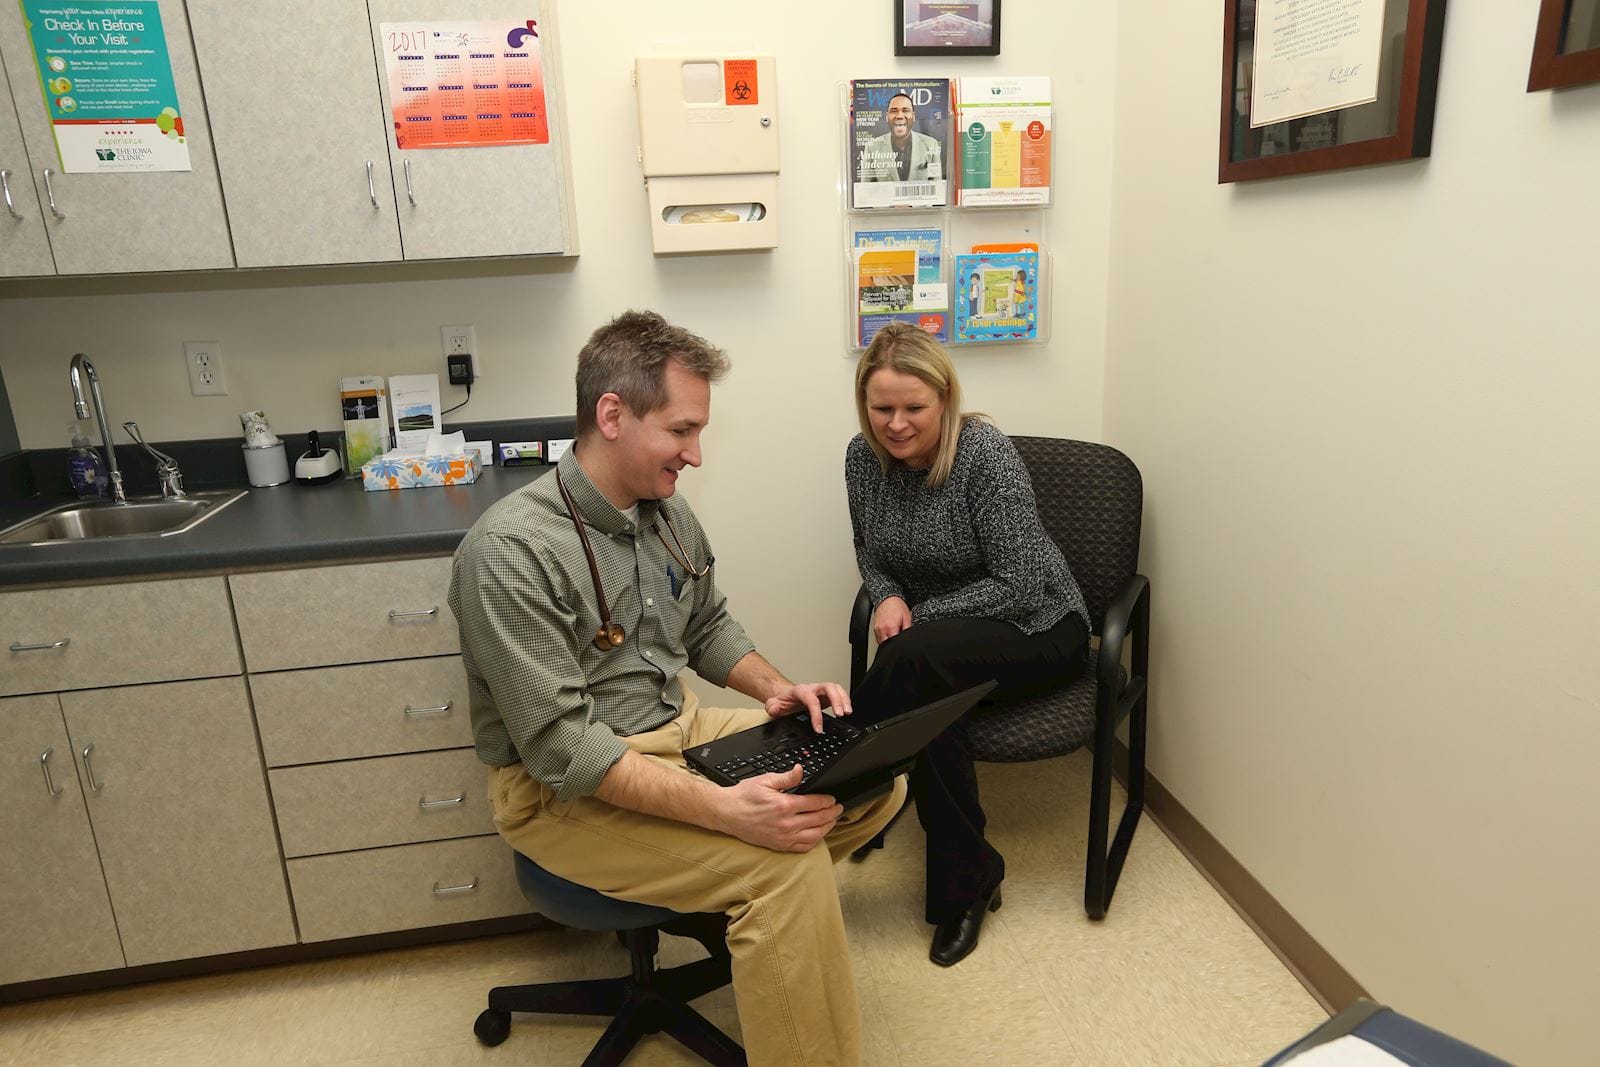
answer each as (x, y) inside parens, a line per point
(708, 142)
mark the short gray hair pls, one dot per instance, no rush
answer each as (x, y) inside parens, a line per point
(628, 356)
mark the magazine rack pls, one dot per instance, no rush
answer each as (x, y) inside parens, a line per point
(940, 233)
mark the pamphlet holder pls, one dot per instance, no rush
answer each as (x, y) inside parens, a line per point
(708, 143)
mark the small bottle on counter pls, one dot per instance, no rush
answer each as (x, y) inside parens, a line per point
(85, 469)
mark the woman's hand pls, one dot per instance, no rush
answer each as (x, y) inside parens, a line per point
(890, 618)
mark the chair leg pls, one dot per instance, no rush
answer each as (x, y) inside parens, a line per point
(1105, 864)
(618, 1040)
(695, 1033)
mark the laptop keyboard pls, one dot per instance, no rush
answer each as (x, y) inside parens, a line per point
(812, 753)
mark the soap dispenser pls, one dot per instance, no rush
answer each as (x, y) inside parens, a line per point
(85, 469)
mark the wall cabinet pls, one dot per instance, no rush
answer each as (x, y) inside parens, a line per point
(336, 187)
(24, 248)
(123, 222)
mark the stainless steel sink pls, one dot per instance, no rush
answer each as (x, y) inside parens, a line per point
(149, 517)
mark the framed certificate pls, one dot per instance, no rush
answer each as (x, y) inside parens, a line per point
(1566, 45)
(1313, 85)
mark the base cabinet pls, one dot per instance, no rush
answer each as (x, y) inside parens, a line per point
(55, 915)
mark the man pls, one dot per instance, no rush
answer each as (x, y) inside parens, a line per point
(585, 741)
(902, 154)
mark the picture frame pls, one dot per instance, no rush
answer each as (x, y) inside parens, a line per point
(1558, 61)
(938, 28)
(1398, 125)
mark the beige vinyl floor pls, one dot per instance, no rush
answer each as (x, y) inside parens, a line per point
(1171, 976)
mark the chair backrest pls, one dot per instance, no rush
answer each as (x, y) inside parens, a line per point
(1091, 501)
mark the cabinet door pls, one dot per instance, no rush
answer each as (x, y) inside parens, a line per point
(115, 223)
(179, 805)
(294, 106)
(503, 200)
(55, 917)
(24, 249)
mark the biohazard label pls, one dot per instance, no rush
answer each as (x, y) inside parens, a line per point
(739, 82)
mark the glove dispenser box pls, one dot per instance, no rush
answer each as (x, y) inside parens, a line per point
(708, 143)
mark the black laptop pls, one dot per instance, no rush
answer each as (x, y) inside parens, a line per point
(850, 763)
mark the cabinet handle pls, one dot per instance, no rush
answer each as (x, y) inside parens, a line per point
(372, 190)
(441, 890)
(5, 186)
(425, 804)
(50, 193)
(18, 646)
(393, 615)
(89, 767)
(411, 196)
(440, 710)
(44, 765)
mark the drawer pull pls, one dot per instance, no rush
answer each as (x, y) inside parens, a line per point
(393, 615)
(372, 189)
(442, 709)
(441, 890)
(18, 646)
(44, 765)
(425, 804)
(89, 767)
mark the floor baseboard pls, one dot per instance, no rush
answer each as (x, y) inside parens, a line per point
(1333, 986)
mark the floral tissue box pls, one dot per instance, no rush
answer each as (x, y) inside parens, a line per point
(409, 472)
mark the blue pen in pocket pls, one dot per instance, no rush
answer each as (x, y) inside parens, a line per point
(672, 581)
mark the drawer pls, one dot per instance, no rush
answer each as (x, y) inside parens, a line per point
(374, 709)
(100, 635)
(334, 807)
(406, 887)
(353, 614)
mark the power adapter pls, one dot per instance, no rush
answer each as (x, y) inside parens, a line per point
(460, 366)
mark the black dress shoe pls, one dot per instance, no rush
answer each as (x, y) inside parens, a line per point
(954, 940)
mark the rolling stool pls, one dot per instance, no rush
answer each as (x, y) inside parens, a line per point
(648, 1001)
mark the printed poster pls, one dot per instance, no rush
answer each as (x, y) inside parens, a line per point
(107, 83)
(465, 84)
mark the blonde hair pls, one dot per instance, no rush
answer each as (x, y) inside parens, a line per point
(905, 348)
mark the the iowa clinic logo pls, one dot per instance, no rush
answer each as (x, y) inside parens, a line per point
(521, 33)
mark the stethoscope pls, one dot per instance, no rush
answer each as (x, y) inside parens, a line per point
(611, 634)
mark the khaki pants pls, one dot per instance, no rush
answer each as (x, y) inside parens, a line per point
(791, 967)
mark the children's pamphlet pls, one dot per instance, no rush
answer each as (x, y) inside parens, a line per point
(899, 142)
(1003, 139)
(997, 297)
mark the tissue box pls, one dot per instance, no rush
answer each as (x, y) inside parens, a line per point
(409, 472)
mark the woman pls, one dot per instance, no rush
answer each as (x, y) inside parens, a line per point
(966, 587)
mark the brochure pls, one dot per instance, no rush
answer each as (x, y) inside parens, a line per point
(1004, 140)
(364, 404)
(899, 142)
(898, 283)
(414, 399)
(997, 297)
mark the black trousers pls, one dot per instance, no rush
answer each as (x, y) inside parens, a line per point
(931, 660)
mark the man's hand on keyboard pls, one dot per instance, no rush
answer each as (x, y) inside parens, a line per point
(759, 812)
(810, 697)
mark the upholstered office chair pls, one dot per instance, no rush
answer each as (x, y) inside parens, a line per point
(1090, 499)
(646, 1002)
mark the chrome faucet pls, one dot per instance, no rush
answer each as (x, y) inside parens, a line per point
(82, 368)
(167, 471)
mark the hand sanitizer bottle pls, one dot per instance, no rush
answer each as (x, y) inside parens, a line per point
(85, 469)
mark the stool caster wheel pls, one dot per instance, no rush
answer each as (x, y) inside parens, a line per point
(492, 1027)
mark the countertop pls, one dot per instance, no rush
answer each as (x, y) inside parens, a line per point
(281, 525)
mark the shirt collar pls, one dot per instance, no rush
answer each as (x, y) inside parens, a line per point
(592, 504)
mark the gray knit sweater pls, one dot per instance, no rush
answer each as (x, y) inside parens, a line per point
(972, 548)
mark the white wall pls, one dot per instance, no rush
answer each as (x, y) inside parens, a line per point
(771, 491)
(1364, 404)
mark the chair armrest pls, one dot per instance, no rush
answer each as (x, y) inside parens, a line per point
(860, 624)
(1128, 614)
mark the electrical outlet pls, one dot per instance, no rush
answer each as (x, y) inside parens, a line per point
(462, 341)
(204, 360)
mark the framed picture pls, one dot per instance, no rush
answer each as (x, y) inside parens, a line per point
(1313, 85)
(1566, 45)
(927, 28)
